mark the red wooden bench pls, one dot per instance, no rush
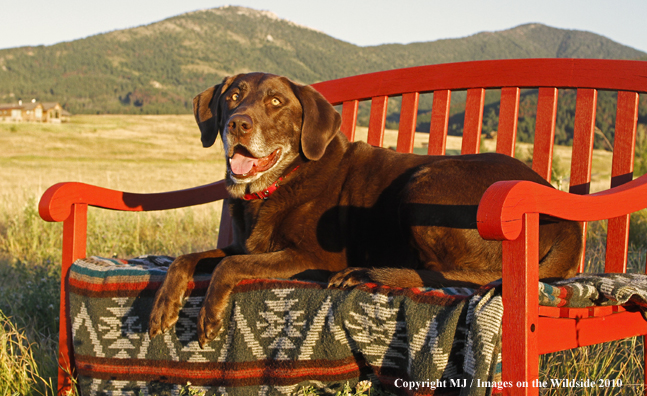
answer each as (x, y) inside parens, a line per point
(509, 211)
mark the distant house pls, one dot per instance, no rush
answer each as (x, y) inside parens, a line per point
(53, 112)
(11, 112)
(33, 112)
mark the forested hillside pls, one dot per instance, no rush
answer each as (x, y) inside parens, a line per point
(158, 68)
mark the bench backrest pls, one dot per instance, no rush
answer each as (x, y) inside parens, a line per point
(587, 76)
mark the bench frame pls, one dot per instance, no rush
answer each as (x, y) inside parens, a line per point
(509, 211)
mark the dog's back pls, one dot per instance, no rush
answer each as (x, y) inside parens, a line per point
(419, 212)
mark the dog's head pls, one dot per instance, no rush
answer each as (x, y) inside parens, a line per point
(267, 123)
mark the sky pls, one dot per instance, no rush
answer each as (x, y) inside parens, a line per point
(361, 22)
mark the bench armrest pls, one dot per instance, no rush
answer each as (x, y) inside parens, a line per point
(68, 202)
(502, 206)
(57, 201)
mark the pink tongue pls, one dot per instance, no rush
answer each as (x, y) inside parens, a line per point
(241, 164)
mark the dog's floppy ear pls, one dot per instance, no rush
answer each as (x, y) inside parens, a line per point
(204, 104)
(320, 121)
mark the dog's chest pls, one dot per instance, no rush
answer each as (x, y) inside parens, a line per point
(266, 223)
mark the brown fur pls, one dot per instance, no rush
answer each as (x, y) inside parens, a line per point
(350, 210)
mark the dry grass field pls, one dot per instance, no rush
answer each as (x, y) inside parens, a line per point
(138, 153)
(163, 153)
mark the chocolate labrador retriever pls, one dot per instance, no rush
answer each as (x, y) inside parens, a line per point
(305, 199)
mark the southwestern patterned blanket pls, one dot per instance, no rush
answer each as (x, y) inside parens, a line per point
(282, 335)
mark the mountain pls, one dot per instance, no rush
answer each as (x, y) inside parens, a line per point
(525, 41)
(158, 68)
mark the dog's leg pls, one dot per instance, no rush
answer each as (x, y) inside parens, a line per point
(405, 277)
(168, 298)
(559, 262)
(563, 258)
(233, 269)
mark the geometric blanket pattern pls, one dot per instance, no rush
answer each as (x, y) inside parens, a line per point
(586, 290)
(282, 335)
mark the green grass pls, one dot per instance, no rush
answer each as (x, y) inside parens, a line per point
(21, 363)
(97, 150)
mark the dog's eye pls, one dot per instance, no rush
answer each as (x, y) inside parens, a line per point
(276, 102)
(235, 97)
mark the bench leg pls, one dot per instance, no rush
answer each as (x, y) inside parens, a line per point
(74, 245)
(520, 355)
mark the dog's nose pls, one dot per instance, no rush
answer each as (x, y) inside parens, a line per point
(240, 123)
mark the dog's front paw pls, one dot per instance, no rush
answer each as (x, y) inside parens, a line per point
(349, 277)
(209, 325)
(163, 316)
(168, 299)
(212, 312)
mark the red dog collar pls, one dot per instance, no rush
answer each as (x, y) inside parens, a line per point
(265, 194)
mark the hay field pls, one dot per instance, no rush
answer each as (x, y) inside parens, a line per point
(136, 153)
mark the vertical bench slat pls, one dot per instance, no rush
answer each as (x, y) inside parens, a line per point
(584, 130)
(622, 168)
(408, 117)
(349, 118)
(506, 136)
(439, 122)
(583, 134)
(473, 121)
(542, 155)
(377, 121)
